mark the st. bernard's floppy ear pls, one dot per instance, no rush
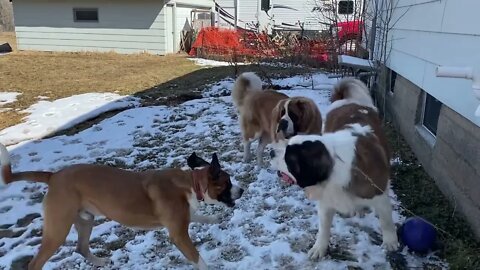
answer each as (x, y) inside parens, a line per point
(276, 115)
(310, 162)
(310, 119)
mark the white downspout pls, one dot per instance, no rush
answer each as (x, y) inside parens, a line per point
(462, 73)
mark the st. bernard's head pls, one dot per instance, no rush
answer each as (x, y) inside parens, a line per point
(304, 161)
(218, 186)
(296, 115)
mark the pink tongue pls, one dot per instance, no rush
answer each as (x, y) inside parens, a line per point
(287, 179)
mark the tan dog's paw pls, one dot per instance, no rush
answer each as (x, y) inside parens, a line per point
(317, 252)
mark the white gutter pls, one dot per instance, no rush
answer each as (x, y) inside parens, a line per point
(192, 4)
(462, 73)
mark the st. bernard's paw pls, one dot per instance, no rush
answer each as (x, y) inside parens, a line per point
(390, 243)
(317, 252)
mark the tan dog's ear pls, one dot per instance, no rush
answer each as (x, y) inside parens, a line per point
(214, 167)
(310, 120)
(276, 115)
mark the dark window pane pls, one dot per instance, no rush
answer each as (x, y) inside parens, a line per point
(345, 7)
(393, 78)
(265, 5)
(203, 16)
(431, 113)
(85, 15)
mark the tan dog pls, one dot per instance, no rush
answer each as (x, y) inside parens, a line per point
(295, 116)
(255, 107)
(147, 200)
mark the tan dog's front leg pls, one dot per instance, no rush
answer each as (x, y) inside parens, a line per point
(181, 239)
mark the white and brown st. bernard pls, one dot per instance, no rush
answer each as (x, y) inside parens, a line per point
(347, 168)
(270, 116)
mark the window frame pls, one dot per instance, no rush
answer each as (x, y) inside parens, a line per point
(76, 20)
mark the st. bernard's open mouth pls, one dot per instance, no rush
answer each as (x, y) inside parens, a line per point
(286, 178)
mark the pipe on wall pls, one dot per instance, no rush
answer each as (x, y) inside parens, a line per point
(462, 73)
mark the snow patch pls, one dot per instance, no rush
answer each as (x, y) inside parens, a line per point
(8, 97)
(46, 117)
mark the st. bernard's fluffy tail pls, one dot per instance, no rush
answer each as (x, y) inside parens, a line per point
(352, 90)
(246, 82)
(6, 175)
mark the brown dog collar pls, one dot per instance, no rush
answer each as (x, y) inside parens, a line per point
(197, 184)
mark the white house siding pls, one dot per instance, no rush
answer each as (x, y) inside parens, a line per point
(124, 26)
(228, 6)
(433, 34)
(301, 11)
(248, 13)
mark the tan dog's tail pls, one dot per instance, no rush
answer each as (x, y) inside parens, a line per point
(246, 82)
(6, 175)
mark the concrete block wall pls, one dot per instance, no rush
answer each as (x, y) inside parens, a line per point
(451, 158)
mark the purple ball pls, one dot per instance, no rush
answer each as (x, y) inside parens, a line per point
(418, 235)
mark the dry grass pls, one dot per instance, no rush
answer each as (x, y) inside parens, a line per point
(58, 75)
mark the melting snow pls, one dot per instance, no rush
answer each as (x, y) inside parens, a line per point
(8, 97)
(46, 117)
(211, 63)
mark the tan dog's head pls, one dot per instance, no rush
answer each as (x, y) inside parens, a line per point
(219, 188)
(296, 115)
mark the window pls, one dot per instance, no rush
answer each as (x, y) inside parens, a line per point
(204, 16)
(85, 15)
(345, 7)
(391, 78)
(265, 5)
(431, 113)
